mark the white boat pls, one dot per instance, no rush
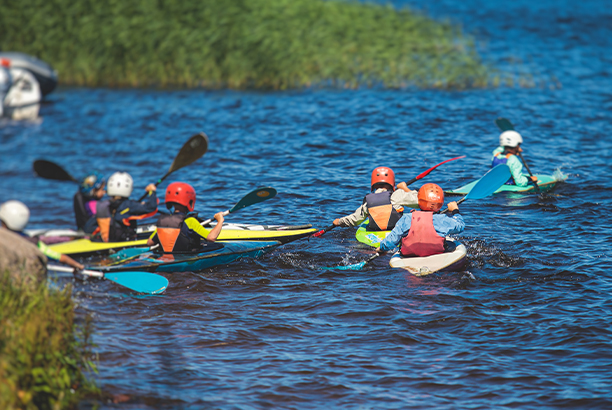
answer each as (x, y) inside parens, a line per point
(24, 80)
(453, 260)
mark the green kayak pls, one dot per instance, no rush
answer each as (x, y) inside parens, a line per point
(370, 238)
(545, 182)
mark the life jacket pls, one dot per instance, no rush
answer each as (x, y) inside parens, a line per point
(422, 239)
(175, 236)
(84, 209)
(383, 216)
(122, 225)
(499, 159)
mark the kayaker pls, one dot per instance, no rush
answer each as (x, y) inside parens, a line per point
(384, 205)
(14, 216)
(510, 145)
(117, 217)
(85, 201)
(422, 233)
(180, 232)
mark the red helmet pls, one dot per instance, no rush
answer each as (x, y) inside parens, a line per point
(181, 193)
(431, 197)
(383, 175)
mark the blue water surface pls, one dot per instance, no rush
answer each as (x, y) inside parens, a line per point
(531, 330)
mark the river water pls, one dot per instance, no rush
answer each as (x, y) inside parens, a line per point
(530, 330)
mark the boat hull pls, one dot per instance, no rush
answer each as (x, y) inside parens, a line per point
(368, 237)
(545, 183)
(221, 254)
(230, 232)
(454, 260)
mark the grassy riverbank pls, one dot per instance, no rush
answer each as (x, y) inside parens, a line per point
(43, 355)
(274, 44)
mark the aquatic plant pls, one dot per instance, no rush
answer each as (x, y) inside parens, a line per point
(44, 355)
(274, 44)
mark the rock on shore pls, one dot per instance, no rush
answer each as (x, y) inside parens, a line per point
(21, 259)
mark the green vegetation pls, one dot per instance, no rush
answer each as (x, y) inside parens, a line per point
(274, 44)
(43, 355)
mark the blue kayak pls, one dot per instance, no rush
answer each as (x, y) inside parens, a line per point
(217, 253)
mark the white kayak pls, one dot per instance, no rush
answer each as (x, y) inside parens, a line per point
(453, 260)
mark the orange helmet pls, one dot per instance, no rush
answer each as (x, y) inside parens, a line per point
(383, 175)
(181, 193)
(431, 197)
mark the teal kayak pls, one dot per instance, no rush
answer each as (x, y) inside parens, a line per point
(217, 253)
(545, 182)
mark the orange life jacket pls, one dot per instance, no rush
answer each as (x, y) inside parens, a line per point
(383, 216)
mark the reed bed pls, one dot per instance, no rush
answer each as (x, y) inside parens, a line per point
(44, 355)
(269, 44)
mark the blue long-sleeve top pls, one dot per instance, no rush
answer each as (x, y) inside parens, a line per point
(444, 224)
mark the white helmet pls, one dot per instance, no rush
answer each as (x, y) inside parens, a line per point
(120, 184)
(510, 139)
(15, 215)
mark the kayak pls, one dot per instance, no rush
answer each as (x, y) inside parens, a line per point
(241, 232)
(453, 260)
(216, 253)
(370, 238)
(545, 182)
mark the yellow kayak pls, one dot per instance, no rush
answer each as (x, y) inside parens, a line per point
(230, 232)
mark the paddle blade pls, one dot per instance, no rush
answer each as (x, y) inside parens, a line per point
(490, 182)
(504, 124)
(142, 282)
(192, 150)
(50, 170)
(355, 266)
(254, 197)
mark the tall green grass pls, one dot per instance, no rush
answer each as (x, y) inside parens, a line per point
(43, 355)
(274, 44)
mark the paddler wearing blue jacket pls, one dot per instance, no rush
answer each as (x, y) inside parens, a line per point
(179, 232)
(510, 145)
(117, 217)
(384, 204)
(14, 216)
(422, 233)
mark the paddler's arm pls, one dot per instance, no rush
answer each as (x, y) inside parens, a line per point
(449, 223)
(59, 256)
(355, 218)
(395, 236)
(153, 240)
(516, 169)
(211, 235)
(403, 196)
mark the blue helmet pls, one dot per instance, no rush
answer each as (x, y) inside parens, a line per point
(93, 180)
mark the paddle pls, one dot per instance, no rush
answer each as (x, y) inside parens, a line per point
(488, 184)
(192, 150)
(50, 170)
(504, 124)
(254, 197)
(424, 174)
(141, 282)
(412, 181)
